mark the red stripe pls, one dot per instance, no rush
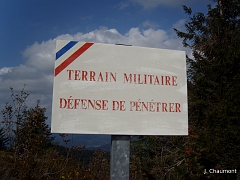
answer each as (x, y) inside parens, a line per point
(72, 58)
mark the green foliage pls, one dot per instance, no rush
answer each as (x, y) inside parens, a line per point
(34, 133)
(213, 89)
(99, 166)
(213, 100)
(25, 128)
(158, 157)
(14, 115)
(3, 140)
(29, 138)
(31, 153)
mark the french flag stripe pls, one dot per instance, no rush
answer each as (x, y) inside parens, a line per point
(70, 59)
(65, 49)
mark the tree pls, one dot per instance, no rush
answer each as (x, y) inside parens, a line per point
(29, 141)
(31, 153)
(3, 140)
(35, 134)
(23, 126)
(158, 157)
(213, 89)
(14, 115)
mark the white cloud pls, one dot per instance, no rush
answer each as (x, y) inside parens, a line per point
(40, 55)
(37, 71)
(5, 70)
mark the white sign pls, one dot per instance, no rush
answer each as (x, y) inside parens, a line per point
(115, 89)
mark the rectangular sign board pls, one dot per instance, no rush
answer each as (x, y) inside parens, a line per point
(115, 89)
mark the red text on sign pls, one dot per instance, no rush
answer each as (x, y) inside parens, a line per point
(82, 75)
(150, 79)
(118, 105)
(154, 106)
(71, 103)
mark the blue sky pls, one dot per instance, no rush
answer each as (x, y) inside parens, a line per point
(25, 22)
(29, 29)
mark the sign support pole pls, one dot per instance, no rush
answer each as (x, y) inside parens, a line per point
(120, 157)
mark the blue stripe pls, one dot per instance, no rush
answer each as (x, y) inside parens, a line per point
(65, 49)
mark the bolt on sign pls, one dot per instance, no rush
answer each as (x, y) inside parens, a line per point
(114, 89)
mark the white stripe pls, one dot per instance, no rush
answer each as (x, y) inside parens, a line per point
(68, 53)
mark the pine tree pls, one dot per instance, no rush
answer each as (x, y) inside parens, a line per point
(35, 134)
(214, 89)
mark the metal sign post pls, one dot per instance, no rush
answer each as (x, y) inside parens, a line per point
(120, 157)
